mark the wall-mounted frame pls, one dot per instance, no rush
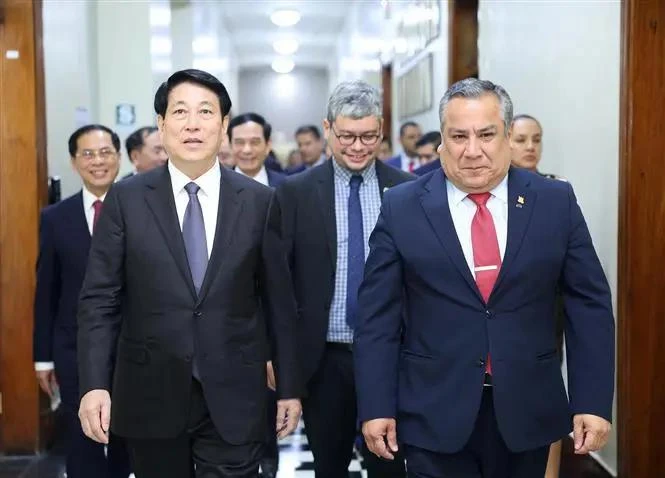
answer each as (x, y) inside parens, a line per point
(419, 26)
(414, 88)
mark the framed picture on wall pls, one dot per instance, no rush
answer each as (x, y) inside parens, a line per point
(418, 27)
(414, 88)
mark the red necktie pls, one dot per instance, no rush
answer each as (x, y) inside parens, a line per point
(412, 165)
(486, 254)
(97, 206)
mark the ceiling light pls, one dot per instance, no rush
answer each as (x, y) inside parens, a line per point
(287, 46)
(283, 65)
(285, 18)
(211, 64)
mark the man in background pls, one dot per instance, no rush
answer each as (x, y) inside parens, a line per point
(311, 147)
(64, 242)
(145, 150)
(407, 160)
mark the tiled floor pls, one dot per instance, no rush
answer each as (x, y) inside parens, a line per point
(295, 462)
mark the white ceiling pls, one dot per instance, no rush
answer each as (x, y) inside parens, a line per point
(246, 23)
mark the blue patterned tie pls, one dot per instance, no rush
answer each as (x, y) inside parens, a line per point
(194, 235)
(356, 254)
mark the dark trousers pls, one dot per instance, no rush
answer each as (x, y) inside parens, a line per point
(270, 460)
(330, 416)
(198, 452)
(85, 457)
(484, 456)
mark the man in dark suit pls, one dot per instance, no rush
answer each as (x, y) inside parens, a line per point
(64, 243)
(249, 137)
(427, 148)
(468, 379)
(407, 160)
(182, 258)
(145, 150)
(311, 147)
(329, 213)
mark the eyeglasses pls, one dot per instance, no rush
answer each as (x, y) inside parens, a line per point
(103, 154)
(347, 139)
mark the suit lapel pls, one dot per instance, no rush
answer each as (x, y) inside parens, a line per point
(386, 176)
(159, 196)
(326, 193)
(521, 202)
(80, 224)
(434, 200)
(228, 211)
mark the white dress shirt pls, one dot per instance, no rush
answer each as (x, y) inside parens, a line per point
(462, 210)
(406, 160)
(208, 195)
(89, 210)
(261, 176)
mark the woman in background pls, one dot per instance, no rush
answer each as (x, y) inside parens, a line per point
(526, 135)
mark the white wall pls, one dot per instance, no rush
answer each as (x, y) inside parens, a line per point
(287, 101)
(429, 120)
(560, 62)
(70, 72)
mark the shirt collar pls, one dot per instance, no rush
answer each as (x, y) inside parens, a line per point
(368, 174)
(89, 198)
(261, 176)
(456, 195)
(208, 181)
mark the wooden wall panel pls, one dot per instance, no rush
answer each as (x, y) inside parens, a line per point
(463, 40)
(19, 207)
(641, 278)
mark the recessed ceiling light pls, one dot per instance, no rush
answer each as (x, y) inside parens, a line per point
(286, 46)
(283, 65)
(285, 18)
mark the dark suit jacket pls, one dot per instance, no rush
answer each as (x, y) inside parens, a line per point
(395, 161)
(426, 168)
(138, 296)
(432, 382)
(64, 242)
(275, 178)
(310, 234)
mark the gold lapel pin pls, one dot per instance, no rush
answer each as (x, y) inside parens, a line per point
(520, 199)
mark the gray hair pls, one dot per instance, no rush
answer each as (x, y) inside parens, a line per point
(474, 88)
(354, 99)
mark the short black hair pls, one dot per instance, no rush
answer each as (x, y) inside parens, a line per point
(309, 129)
(523, 116)
(431, 137)
(74, 138)
(136, 139)
(253, 118)
(199, 77)
(402, 128)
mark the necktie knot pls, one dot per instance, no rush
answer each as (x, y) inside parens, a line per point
(480, 198)
(192, 189)
(355, 181)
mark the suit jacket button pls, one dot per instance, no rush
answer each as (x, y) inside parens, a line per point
(488, 314)
(481, 363)
(198, 315)
(188, 358)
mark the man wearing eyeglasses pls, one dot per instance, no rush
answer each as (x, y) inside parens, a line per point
(64, 241)
(329, 212)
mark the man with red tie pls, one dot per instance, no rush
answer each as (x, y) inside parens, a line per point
(64, 242)
(455, 348)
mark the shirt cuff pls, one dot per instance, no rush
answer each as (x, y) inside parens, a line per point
(44, 366)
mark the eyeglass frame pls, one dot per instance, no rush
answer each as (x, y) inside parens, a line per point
(355, 137)
(103, 154)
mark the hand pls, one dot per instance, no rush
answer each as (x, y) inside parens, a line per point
(379, 431)
(47, 381)
(288, 415)
(590, 433)
(272, 384)
(95, 415)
